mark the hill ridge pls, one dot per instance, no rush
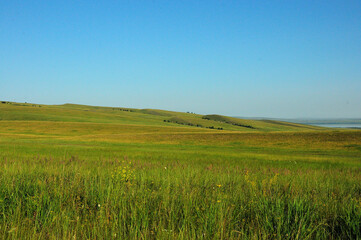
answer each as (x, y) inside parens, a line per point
(70, 112)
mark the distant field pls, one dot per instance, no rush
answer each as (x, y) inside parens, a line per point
(82, 172)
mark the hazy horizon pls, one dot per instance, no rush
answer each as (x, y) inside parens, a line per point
(299, 59)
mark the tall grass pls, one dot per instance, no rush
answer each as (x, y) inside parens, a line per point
(63, 198)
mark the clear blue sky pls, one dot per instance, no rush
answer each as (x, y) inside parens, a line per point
(240, 58)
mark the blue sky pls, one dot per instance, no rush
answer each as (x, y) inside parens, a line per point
(282, 59)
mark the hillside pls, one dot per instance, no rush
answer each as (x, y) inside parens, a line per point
(10, 111)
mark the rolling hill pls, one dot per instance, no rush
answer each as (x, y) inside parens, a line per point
(11, 111)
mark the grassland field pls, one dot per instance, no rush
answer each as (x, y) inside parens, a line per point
(82, 172)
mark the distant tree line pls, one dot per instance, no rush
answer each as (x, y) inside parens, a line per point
(123, 109)
(194, 125)
(233, 123)
(19, 104)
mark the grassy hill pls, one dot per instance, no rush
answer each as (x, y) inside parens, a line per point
(10, 111)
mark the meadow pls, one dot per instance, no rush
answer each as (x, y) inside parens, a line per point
(82, 172)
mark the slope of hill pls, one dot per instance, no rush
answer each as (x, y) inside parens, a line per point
(10, 111)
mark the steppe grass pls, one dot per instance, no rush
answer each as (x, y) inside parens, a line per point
(245, 186)
(82, 172)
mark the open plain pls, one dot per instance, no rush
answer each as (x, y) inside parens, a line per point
(82, 172)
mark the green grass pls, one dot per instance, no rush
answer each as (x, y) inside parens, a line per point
(152, 117)
(83, 172)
